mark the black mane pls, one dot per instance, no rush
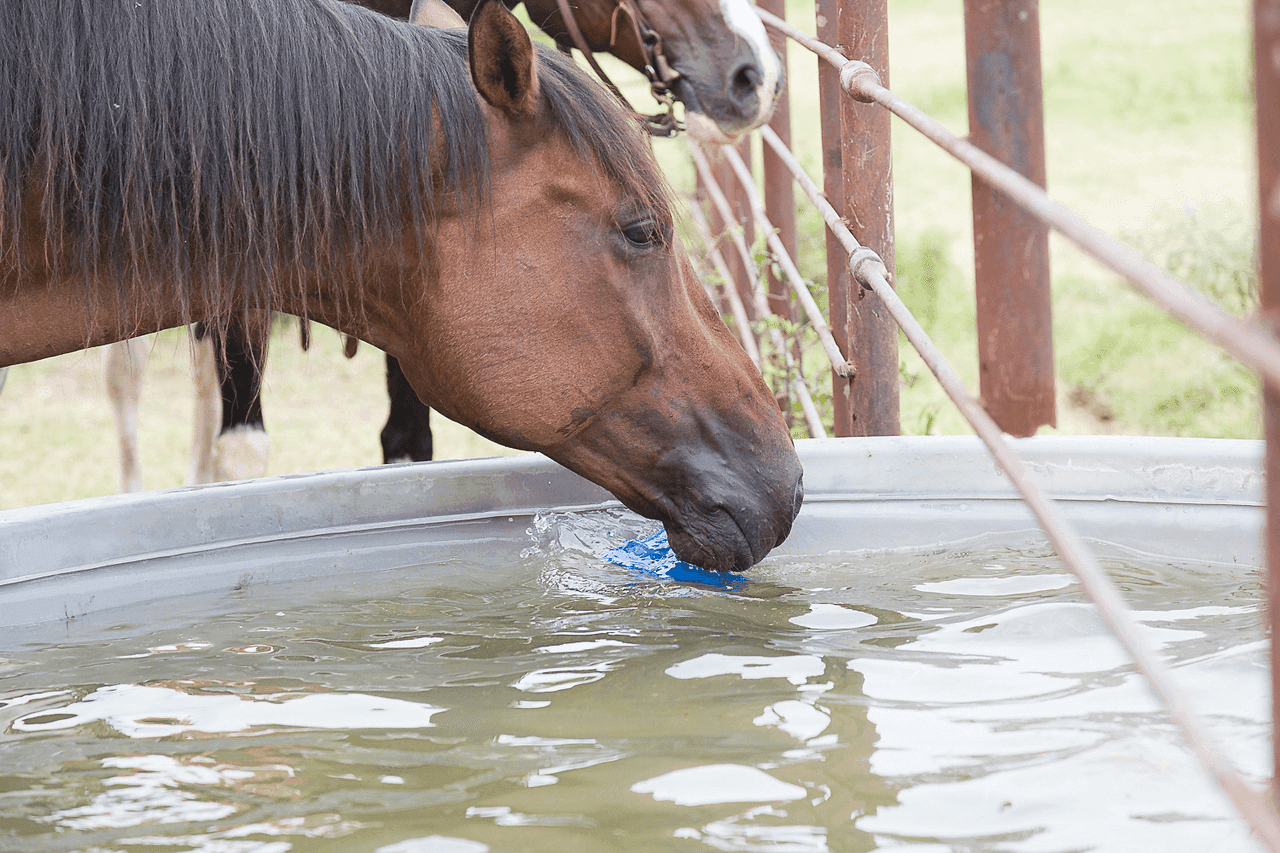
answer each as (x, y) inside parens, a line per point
(240, 146)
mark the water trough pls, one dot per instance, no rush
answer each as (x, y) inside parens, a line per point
(1198, 499)
(911, 668)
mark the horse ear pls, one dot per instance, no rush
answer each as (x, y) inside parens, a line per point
(434, 13)
(503, 62)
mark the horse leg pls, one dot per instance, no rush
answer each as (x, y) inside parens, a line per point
(243, 447)
(407, 435)
(207, 416)
(122, 364)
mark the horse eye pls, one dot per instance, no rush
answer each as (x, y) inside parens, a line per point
(642, 234)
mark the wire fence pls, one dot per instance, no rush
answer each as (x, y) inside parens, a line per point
(747, 297)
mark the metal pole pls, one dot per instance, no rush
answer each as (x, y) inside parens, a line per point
(730, 293)
(866, 162)
(789, 270)
(724, 231)
(1266, 55)
(742, 278)
(1011, 247)
(792, 367)
(831, 102)
(779, 195)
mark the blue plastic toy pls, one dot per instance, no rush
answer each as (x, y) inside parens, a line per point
(652, 555)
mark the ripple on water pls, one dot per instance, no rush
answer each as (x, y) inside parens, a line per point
(956, 700)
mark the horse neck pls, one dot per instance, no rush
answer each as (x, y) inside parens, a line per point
(595, 18)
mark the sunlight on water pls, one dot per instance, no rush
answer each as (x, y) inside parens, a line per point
(959, 700)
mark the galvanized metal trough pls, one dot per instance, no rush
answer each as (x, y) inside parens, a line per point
(1190, 499)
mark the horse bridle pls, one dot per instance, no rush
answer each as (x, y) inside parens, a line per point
(656, 67)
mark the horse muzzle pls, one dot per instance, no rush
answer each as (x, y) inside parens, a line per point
(732, 89)
(729, 510)
(723, 119)
(734, 535)
(726, 485)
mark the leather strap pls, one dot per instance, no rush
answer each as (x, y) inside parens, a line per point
(659, 71)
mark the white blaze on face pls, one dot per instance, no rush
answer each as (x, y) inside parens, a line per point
(742, 20)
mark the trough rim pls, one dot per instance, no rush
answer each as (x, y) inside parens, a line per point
(51, 539)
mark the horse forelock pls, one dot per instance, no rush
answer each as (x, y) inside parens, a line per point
(230, 145)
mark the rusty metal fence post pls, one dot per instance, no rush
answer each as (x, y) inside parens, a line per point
(857, 169)
(742, 218)
(1266, 57)
(779, 196)
(831, 103)
(1011, 247)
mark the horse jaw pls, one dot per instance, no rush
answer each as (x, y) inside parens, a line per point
(706, 131)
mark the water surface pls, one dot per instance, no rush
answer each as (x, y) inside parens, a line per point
(957, 700)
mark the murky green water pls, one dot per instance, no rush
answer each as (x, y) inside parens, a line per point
(955, 701)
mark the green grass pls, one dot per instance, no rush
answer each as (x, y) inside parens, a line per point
(322, 412)
(1127, 361)
(1149, 135)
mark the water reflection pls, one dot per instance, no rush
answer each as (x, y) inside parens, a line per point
(151, 789)
(1022, 727)
(434, 844)
(952, 701)
(797, 669)
(140, 711)
(718, 783)
(752, 830)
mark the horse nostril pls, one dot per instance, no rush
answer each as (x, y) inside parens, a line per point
(745, 81)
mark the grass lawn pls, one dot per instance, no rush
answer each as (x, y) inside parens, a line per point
(322, 411)
(1149, 124)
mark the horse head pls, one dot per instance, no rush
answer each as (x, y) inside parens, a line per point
(568, 318)
(505, 233)
(729, 76)
(713, 55)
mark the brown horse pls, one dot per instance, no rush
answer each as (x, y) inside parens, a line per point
(713, 55)
(505, 233)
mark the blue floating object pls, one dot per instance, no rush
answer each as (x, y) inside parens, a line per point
(652, 555)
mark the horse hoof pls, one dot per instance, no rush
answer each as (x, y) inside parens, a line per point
(241, 454)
